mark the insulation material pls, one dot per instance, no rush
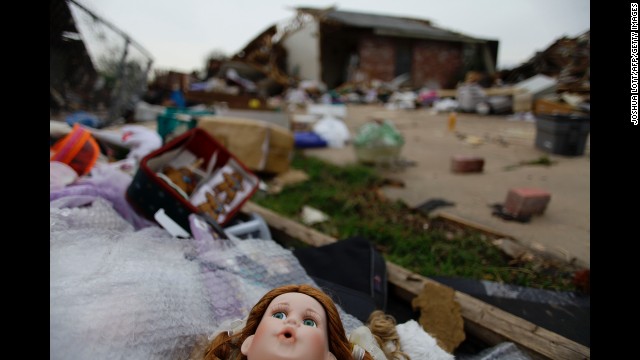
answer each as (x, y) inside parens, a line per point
(117, 293)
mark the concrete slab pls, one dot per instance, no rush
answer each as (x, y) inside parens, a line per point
(503, 141)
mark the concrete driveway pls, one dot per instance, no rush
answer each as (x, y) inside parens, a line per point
(502, 141)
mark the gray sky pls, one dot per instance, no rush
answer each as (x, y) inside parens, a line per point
(180, 34)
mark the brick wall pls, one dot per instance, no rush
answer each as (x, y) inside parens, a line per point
(433, 61)
(377, 58)
(437, 61)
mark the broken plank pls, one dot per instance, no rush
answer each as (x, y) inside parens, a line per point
(492, 324)
(507, 243)
(486, 322)
(473, 225)
(291, 228)
(493, 91)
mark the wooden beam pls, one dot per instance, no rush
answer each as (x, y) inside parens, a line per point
(492, 324)
(292, 228)
(507, 243)
(476, 226)
(493, 91)
(486, 322)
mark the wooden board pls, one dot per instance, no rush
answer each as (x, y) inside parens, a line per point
(547, 106)
(494, 91)
(239, 101)
(486, 322)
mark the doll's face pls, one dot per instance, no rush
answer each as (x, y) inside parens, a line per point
(293, 327)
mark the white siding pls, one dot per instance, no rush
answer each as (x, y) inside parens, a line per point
(303, 52)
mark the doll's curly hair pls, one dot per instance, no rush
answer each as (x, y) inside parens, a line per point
(226, 346)
(383, 328)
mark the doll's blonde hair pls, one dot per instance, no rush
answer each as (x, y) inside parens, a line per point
(383, 328)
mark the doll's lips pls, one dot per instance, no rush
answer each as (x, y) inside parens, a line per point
(288, 334)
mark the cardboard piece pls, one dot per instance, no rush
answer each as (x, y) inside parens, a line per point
(260, 145)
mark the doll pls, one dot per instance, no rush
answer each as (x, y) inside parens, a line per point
(292, 322)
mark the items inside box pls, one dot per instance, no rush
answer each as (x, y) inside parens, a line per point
(183, 179)
(214, 190)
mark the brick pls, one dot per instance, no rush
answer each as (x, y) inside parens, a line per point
(526, 201)
(466, 164)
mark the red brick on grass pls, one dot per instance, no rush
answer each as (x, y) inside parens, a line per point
(466, 164)
(526, 201)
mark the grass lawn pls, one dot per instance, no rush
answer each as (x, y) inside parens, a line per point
(429, 247)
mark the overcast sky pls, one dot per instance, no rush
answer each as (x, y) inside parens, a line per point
(180, 34)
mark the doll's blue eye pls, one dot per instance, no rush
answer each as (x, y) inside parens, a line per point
(309, 322)
(279, 315)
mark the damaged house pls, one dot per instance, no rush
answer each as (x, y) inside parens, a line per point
(337, 47)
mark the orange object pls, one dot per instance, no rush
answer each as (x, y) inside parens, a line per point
(77, 149)
(452, 121)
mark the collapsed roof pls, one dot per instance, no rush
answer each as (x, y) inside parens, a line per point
(389, 25)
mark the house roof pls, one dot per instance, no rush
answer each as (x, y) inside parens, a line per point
(390, 25)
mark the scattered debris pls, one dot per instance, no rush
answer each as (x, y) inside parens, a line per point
(440, 315)
(312, 216)
(292, 176)
(523, 201)
(474, 140)
(542, 160)
(498, 210)
(467, 164)
(433, 204)
(568, 59)
(582, 280)
(378, 141)
(514, 250)
(393, 183)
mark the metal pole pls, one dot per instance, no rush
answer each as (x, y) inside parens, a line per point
(118, 91)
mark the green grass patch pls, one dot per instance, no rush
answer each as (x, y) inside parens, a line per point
(406, 237)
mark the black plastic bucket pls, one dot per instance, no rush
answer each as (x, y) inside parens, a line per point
(562, 134)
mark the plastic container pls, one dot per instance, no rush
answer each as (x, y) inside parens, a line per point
(175, 121)
(378, 154)
(469, 96)
(308, 139)
(378, 141)
(451, 124)
(254, 227)
(83, 118)
(78, 149)
(562, 134)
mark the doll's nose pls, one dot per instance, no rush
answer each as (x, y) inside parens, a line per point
(292, 321)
